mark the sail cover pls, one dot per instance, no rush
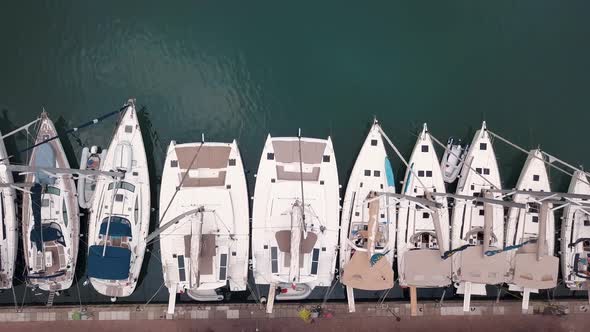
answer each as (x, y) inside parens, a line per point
(36, 207)
(119, 226)
(114, 265)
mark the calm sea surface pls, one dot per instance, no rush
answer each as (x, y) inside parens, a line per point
(243, 69)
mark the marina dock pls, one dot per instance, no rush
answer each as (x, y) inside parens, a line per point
(388, 316)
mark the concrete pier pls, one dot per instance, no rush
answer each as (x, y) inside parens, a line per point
(483, 316)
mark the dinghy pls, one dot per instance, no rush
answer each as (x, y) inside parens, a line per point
(452, 160)
(423, 227)
(120, 214)
(90, 160)
(477, 226)
(531, 232)
(367, 234)
(204, 223)
(9, 229)
(575, 235)
(50, 215)
(295, 217)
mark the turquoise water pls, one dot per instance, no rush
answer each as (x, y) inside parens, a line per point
(243, 70)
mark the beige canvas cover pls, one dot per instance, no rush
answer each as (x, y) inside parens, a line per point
(481, 269)
(425, 268)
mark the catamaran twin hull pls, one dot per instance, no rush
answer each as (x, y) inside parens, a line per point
(50, 216)
(295, 215)
(204, 195)
(120, 214)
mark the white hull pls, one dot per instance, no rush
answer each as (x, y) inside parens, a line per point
(523, 225)
(207, 250)
(87, 184)
(277, 210)
(372, 172)
(51, 261)
(419, 247)
(125, 203)
(575, 237)
(481, 172)
(9, 227)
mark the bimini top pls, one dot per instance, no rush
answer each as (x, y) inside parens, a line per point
(119, 226)
(114, 265)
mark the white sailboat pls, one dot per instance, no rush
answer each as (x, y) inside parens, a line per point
(120, 214)
(423, 231)
(575, 235)
(478, 227)
(90, 160)
(50, 215)
(9, 227)
(532, 232)
(452, 160)
(295, 217)
(368, 230)
(204, 223)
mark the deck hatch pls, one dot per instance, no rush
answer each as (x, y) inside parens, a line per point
(181, 269)
(274, 259)
(315, 257)
(223, 267)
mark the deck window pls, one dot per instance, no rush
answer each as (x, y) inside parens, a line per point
(223, 267)
(181, 269)
(3, 216)
(326, 159)
(428, 174)
(424, 148)
(425, 215)
(374, 142)
(376, 173)
(274, 259)
(122, 185)
(315, 258)
(486, 171)
(535, 219)
(478, 170)
(481, 212)
(65, 213)
(421, 174)
(173, 163)
(270, 156)
(367, 172)
(483, 146)
(536, 177)
(52, 190)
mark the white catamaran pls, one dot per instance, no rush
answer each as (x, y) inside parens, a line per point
(295, 217)
(575, 235)
(478, 226)
(50, 215)
(120, 214)
(423, 230)
(9, 229)
(532, 232)
(204, 237)
(367, 234)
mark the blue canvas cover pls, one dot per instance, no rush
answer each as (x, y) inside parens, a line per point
(51, 232)
(119, 226)
(44, 157)
(114, 265)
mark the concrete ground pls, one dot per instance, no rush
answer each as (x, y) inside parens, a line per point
(483, 316)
